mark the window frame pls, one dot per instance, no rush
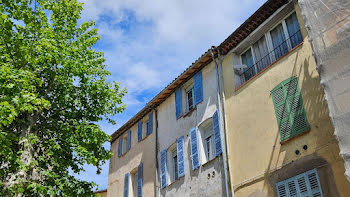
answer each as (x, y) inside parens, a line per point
(187, 90)
(124, 143)
(134, 181)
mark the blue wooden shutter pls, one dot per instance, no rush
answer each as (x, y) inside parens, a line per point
(180, 157)
(139, 179)
(128, 141)
(163, 178)
(120, 146)
(178, 103)
(198, 88)
(150, 123)
(314, 183)
(126, 185)
(139, 131)
(281, 189)
(217, 134)
(194, 148)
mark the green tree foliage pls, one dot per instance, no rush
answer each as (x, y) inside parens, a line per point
(53, 90)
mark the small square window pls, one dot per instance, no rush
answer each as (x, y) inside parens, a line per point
(190, 98)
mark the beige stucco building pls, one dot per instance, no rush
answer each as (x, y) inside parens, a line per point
(248, 118)
(280, 137)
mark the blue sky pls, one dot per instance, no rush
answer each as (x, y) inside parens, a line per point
(148, 43)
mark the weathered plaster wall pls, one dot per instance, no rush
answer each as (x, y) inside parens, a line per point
(143, 151)
(328, 23)
(257, 159)
(208, 180)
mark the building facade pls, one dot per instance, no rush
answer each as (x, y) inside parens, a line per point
(280, 136)
(247, 118)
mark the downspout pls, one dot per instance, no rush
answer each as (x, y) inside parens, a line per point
(225, 122)
(220, 112)
(156, 154)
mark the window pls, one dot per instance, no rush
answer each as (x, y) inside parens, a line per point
(190, 98)
(174, 160)
(289, 109)
(206, 130)
(247, 59)
(261, 54)
(134, 182)
(125, 139)
(305, 184)
(294, 30)
(278, 41)
(270, 47)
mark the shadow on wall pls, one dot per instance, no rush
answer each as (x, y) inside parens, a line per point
(320, 135)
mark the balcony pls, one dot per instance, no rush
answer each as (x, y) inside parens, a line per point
(269, 59)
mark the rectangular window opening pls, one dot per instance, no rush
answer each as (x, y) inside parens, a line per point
(190, 99)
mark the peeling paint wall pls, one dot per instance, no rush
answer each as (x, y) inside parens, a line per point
(143, 151)
(328, 26)
(208, 180)
(257, 159)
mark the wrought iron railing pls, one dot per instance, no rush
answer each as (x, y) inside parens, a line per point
(271, 56)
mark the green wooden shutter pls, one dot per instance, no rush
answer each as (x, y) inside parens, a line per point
(289, 109)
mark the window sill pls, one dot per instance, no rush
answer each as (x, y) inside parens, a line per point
(188, 113)
(144, 137)
(259, 73)
(294, 137)
(209, 161)
(173, 182)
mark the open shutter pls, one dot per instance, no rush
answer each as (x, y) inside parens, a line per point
(120, 146)
(314, 183)
(180, 157)
(194, 148)
(291, 187)
(139, 179)
(178, 103)
(217, 134)
(128, 141)
(150, 123)
(126, 185)
(139, 131)
(281, 189)
(289, 109)
(163, 178)
(198, 88)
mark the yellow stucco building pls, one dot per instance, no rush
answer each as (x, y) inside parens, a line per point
(280, 137)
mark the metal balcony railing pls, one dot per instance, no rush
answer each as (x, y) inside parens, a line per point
(283, 48)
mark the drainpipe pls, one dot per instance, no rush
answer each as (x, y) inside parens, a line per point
(220, 113)
(156, 154)
(225, 122)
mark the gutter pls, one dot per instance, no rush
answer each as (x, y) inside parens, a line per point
(221, 126)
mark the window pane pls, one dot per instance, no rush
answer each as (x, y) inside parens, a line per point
(247, 59)
(175, 167)
(190, 99)
(294, 30)
(262, 57)
(279, 41)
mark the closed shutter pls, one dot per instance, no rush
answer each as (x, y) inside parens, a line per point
(126, 185)
(217, 134)
(303, 185)
(120, 146)
(198, 88)
(139, 131)
(178, 103)
(139, 179)
(180, 157)
(163, 181)
(150, 123)
(289, 109)
(194, 148)
(128, 141)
